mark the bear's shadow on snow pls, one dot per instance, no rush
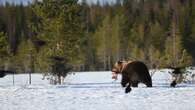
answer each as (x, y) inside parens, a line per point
(167, 85)
(117, 85)
(90, 85)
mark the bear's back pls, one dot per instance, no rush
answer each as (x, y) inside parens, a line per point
(137, 69)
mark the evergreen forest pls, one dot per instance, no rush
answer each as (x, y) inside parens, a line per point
(92, 37)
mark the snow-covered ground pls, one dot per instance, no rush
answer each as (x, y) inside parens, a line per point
(94, 91)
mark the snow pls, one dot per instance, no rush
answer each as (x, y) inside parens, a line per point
(94, 91)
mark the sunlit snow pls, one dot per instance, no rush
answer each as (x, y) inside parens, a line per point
(94, 91)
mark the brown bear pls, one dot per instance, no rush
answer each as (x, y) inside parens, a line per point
(133, 72)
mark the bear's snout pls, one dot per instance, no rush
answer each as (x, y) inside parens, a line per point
(114, 75)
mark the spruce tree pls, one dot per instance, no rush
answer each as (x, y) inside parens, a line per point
(62, 30)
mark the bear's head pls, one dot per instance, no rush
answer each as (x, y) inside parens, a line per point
(118, 68)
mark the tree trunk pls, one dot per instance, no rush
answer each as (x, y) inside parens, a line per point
(59, 80)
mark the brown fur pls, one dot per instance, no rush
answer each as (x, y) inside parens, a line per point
(133, 72)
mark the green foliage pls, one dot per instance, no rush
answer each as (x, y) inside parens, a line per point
(175, 54)
(107, 40)
(157, 36)
(92, 37)
(25, 59)
(3, 45)
(62, 29)
(3, 49)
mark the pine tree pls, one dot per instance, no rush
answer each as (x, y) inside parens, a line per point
(107, 41)
(175, 54)
(62, 29)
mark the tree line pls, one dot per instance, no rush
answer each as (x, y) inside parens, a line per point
(89, 37)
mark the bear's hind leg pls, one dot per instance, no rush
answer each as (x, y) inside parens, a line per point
(148, 83)
(135, 84)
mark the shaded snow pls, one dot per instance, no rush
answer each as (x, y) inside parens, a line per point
(94, 91)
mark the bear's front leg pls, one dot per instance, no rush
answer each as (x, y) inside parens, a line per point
(173, 84)
(128, 88)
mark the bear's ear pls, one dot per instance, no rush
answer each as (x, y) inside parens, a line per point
(119, 62)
